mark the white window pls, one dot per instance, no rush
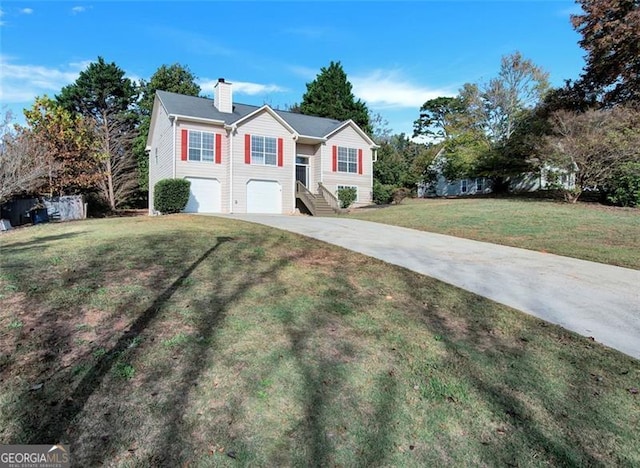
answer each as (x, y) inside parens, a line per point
(463, 186)
(347, 160)
(340, 187)
(201, 146)
(263, 151)
(479, 184)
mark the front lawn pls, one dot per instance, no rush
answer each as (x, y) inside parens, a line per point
(199, 341)
(586, 231)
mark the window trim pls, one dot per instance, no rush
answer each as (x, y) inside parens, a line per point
(264, 151)
(464, 186)
(201, 148)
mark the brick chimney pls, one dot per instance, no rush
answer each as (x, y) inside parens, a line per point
(223, 97)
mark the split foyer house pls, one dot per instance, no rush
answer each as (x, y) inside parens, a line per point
(249, 159)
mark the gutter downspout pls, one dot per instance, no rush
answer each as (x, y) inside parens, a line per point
(375, 159)
(173, 125)
(322, 147)
(295, 156)
(231, 129)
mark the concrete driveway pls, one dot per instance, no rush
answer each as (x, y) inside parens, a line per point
(592, 299)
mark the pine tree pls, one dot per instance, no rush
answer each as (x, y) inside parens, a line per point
(102, 93)
(330, 95)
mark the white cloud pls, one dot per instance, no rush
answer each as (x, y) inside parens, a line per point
(78, 9)
(243, 87)
(22, 83)
(26, 11)
(307, 73)
(388, 89)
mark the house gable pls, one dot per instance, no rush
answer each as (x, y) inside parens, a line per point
(260, 112)
(350, 123)
(348, 162)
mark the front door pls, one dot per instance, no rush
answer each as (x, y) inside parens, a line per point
(302, 170)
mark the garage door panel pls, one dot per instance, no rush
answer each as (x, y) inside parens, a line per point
(264, 196)
(204, 196)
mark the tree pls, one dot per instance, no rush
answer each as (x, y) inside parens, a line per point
(380, 130)
(102, 93)
(69, 144)
(329, 95)
(439, 117)
(401, 162)
(175, 78)
(519, 86)
(23, 162)
(623, 188)
(610, 32)
(487, 130)
(390, 166)
(592, 144)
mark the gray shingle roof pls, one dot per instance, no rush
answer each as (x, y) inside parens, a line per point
(203, 108)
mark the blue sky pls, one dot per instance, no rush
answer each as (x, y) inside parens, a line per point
(397, 55)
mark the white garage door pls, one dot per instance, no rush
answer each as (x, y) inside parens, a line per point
(204, 196)
(264, 196)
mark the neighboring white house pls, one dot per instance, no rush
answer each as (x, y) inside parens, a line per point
(440, 186)
(547, 178)
(249, 159)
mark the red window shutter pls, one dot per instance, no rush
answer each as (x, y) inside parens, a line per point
(247, 149)
(280, 152)
(335, 158)
(185, 144)
(360, 161)
(218, 148)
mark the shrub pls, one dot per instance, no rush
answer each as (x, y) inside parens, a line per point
(382, 193)
(624, 185)
(171, 195)
(347, 195)
(400, 194)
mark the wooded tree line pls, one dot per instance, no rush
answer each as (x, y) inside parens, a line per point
(516, 123)
(91, 137)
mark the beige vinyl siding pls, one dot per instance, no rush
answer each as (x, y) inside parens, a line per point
(207, 170)
(263, 124)
(313, 153)
(161, 145)
(349, 138)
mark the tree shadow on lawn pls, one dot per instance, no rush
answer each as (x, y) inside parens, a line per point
(50, 426)
(338, 425)
(545, 390)
(172, 442)
(95, 413)
(37, 242)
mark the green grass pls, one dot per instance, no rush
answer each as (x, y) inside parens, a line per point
(175, 341)
(586, 231)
